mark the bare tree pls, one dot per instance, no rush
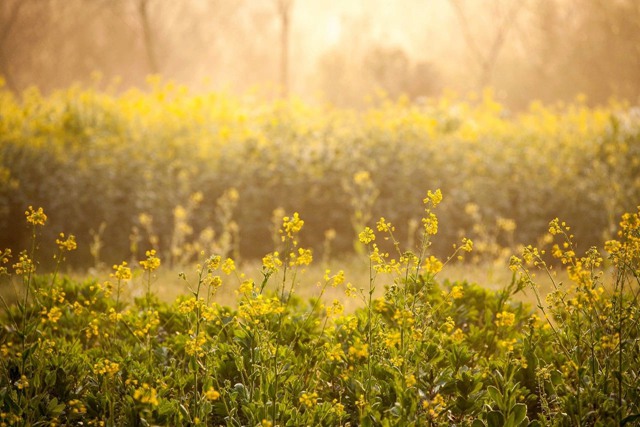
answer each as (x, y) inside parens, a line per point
(147, 35)
(284, 8)
(486, 57)
(9, 11)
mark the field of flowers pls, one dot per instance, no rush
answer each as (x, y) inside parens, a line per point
(184, 172)
(425, 353)
(131, 184)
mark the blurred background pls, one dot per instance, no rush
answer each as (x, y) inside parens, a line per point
(332, 50)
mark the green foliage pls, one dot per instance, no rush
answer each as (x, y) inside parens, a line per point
(425, 353)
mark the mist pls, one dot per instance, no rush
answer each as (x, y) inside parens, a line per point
(341, 52)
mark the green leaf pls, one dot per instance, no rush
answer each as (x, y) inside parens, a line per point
(519, 413)
(55, 408)
(495, 419)
(184, 412)
(495, 395)
(50, 379)
(478, 423)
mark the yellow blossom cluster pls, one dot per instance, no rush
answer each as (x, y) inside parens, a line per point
(146, 395)
(505, 319)
(434, 406)
(121, 272)
(334, 352)
(195, 344)
(302, 258)
(35, 217)
(24, 266)
(291, 226)
(212, 394)
(151, 263)
(271, 262)
(358, 350)
(309, 399)
(106, 367)
(254, 309)
(366, 236)
(146, 323)
(51, 315)
(77, 407)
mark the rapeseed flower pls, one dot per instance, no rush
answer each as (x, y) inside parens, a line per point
(152, 262)
(146, 395)
(24, 265)
(211, 394)
(291, 226)
(35, 217)
(121, 272)
(433, 197)
(68, 244)
(505, 319)
(367, 236)
(309, 399)
(430, 223)
(432, 265)
(228, 266)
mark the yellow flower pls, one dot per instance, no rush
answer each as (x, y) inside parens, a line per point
(432, 265)
(77, 407)
(67, 245)
(24, 265)
(367, 236)
(309, 399)
(392, 339)
(359, 350)
(338, 279)
(121, 272)
(457, 335)
(334, 352)
(505, 319)
(212, 394)
(4, 259)
(213, 262)
(457, 292)
(430, 224)
(35, 217)
(291, 226)
(337, 408)
(554, 227)
(151, 263)
(384, 226)
(22, 383)
(193, 347)
(304, 257)
(228, 266)
(467, 245)
(53, 315)
(410, 380)
(449, 324)
(271, 262)
(106, 367)
(433, 198)
(146, 395)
